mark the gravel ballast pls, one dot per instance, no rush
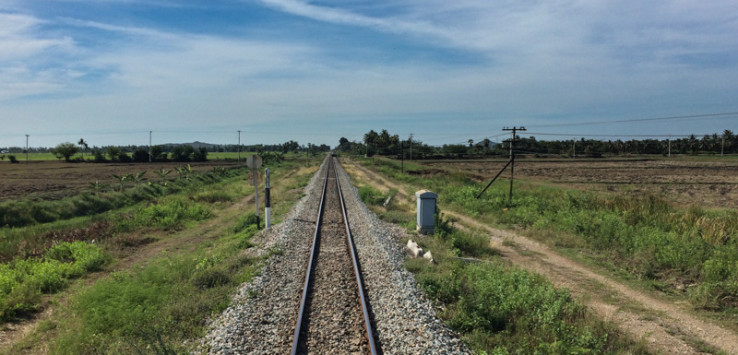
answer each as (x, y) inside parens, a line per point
(262, 316)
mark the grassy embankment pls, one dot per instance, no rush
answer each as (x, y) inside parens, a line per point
(497, 308)
(688, 253)
(165, 299)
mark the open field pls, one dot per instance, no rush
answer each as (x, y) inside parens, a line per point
(707, 181)
(53, 179)
(660, 271)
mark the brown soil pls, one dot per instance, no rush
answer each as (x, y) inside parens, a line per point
(685, 182)
(53, 179)
(664, 326)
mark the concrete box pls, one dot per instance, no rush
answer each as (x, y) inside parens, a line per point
(426, 209)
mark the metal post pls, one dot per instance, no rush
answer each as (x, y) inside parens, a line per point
(239, 146)
(669, 141)
(256, 195)
(26, 147)
(267, 201)
(149, 146)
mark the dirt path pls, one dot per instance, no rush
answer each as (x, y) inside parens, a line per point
(665, 327)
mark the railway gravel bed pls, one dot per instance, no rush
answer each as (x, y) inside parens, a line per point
(262, 316)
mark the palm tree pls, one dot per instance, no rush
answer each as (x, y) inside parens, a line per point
(83, 146)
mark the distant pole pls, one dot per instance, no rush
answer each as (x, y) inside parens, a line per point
(26, 147)
(150, 146)
(722, 146)
(402, 156)
(267, 201)
(574, 148)
(668, 140)
(411, 146)
(239, 146)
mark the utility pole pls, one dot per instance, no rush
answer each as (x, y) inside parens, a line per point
(239, 146)
(26, 148)
(150, 146)
(722, 145)
(668, 140)
(574, 148)
(402, 157)
(512, 159)
(411, 146)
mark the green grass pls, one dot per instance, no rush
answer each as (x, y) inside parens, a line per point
(156, 308)
(504, 310)
(23, 281)
(156, 305)
(644, 236)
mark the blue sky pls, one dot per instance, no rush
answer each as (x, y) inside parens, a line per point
(110, 71)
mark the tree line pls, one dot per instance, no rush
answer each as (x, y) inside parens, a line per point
(195, 152)
(387, 144)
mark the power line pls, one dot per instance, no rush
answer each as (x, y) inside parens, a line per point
(722, 114)
(615, 135)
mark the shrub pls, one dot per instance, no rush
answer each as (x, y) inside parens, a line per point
(141, 156)
(13, 159)
(22, 281)
(371, 196)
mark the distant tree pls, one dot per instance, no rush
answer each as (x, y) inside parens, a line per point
(113, 152)
(83, 146)
(200, 154)
(182, 153)
(471, 142)
(141, 155)
(157, 153)
(343, 145)
(65, 150)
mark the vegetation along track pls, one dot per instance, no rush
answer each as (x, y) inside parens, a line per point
(334, 314)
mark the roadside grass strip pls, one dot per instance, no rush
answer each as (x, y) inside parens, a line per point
(685, 251)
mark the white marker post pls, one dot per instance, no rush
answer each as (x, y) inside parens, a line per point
(254, 162)
(267, 201)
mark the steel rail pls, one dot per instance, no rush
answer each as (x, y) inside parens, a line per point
(309, 272)
(371, 344)
(352, 250)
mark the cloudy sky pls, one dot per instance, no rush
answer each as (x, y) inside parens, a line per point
(110, 71)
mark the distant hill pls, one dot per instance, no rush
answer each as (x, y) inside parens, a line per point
(195, 144)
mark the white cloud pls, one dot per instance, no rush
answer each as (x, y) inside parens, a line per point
(19, 38)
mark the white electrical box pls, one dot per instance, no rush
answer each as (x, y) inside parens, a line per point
(426, 209)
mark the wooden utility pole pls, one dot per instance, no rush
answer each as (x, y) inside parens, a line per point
(512, 159)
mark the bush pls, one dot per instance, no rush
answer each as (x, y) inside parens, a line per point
(370, 196)
(13, 159)
(22, 281)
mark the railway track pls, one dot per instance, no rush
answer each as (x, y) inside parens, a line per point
(334, 315)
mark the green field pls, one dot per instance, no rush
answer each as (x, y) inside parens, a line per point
(162, 256)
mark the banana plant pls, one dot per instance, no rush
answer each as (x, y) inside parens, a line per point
(163, 175)
(184, 173)
(96, 187)
(139, 177)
